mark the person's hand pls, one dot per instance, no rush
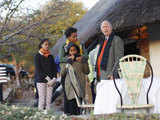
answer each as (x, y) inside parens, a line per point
(59, 79)
(110, 77)
(79, 59)
(48, 78)
(51, 82)
(58, 75)
(71, 57)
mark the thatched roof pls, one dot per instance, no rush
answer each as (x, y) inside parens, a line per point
(121, 13)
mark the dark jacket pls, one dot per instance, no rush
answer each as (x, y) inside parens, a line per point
(116, 51)
(44, 67)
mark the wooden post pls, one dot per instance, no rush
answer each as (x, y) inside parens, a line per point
(1, 92)
(143, 45)
(144, 48)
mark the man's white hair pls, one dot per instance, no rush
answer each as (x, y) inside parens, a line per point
(106, 21)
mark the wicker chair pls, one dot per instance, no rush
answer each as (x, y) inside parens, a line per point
(133, 69)
(85, 108)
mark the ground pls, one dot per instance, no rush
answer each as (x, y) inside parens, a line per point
(20, 106)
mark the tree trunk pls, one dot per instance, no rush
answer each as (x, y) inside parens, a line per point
(18, 81)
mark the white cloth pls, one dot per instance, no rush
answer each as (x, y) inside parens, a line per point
(154, 94)
(107, 97)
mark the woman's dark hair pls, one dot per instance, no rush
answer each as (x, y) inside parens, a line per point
(73, 45)
(42, 41)
(69, 31)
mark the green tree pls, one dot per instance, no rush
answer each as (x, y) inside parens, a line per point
(49, 22)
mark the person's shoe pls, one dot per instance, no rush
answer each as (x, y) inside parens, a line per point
(63, 116)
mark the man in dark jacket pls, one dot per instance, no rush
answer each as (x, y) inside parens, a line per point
(110, 51)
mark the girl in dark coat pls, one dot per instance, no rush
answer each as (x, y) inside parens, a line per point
(81, 69)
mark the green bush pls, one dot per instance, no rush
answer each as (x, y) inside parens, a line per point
(24, 113)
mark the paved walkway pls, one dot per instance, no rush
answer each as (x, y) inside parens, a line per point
(25, 98)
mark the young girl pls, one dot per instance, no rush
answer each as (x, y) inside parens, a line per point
(81, 69)
(45, 74)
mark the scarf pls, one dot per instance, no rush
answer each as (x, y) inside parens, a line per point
(44, 52)
(77, 43)
(105, 56)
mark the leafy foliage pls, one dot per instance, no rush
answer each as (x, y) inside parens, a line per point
(24, 113)
(21, 36)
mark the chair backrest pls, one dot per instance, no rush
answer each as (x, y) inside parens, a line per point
(3, 75)
(131, 70)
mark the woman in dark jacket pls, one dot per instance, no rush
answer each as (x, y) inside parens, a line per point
(46, 74)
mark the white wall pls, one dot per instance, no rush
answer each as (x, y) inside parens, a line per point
(154, 49)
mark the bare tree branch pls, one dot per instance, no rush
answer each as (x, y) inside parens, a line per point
(7, 37)
(18, 41)
(15, 42)
(10, 13)
(5, 56)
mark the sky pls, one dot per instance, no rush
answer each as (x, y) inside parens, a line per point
(35, 4)
(88, 3)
